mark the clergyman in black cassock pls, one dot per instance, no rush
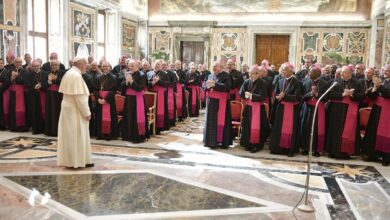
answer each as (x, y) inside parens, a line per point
(159, 83)
(17, 98)
(134, 124)
(181, 101)
(376, 142)
(255, 126)
(172, 78)
(218, 129)
(5, 82)
(89, 79)
(285, 130)
(36, 97)
(237, 80)
(106, 118)
(193, 89)
(342, 116)
(51, 83)
(313, 90)
(368, 86)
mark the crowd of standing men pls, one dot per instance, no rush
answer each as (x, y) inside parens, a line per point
(279, 105)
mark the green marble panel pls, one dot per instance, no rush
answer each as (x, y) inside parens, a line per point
(128, 193)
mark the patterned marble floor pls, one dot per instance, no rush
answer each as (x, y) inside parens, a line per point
(173, 176)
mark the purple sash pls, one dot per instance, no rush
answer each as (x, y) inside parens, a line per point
(255, 121)
(106, 114)
(223, 97)
(139, 96)
(20, 108)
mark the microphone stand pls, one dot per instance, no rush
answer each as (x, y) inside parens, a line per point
(306, 207)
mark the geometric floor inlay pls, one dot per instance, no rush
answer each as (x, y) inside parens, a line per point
(128, 193)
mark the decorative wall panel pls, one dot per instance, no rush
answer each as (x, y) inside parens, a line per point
(129, 38)
(10, 30)
(82, 35)
(323, 44)
(229, 43)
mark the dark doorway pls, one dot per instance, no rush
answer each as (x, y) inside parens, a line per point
(273, 48)
(192, 51)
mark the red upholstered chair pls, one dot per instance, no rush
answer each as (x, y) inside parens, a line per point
(120, 105)
(150, 104)
(364, 115)
(237, 109)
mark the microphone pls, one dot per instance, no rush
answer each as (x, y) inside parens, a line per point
(306, 207)
(323, 95)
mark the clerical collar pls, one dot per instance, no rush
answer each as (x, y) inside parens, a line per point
(289, 77)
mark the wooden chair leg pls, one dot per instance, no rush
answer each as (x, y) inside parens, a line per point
(154, 128)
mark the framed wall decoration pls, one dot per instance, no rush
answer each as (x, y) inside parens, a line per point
(82, 36)
(129, 38)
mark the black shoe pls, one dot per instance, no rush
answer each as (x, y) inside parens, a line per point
(330, 156)
(89, 165)
(385, 164)
(290, 155)
(304, 153)
(255, 150)
(316, 154)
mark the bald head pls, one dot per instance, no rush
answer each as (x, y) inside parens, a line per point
(315, 72)
(369, 73)
(231, 65)
(217, 68)
(346, 72)
(18, 62)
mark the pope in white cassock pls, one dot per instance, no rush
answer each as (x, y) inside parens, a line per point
(74, 144)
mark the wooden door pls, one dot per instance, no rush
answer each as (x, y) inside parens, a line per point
(274, 48)
(192, 51)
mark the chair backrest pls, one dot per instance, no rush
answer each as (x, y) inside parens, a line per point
(364, 115)
(236, 110)
(150, 99)
(119, 103)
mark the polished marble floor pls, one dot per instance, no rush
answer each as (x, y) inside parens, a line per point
(173, 176)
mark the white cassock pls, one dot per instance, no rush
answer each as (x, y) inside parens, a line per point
(74, 143)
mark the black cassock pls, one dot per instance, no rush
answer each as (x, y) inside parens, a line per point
(5, 82)
(36, 100)
(53, 103)
(259, 90)
(336, 119)
(119, 72)
(308, 112)
(237, 80)
(88, 79)
(180, 90)
(106, 84)
(162, 116)
(370, 95)
(46, 67)
(286, 143)
(193, 89)
(275, 83)
(369, 141)
(223, 84)
(203, 77)
(301, 74)
(172, 98)
(129, 124)
(18, 120)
